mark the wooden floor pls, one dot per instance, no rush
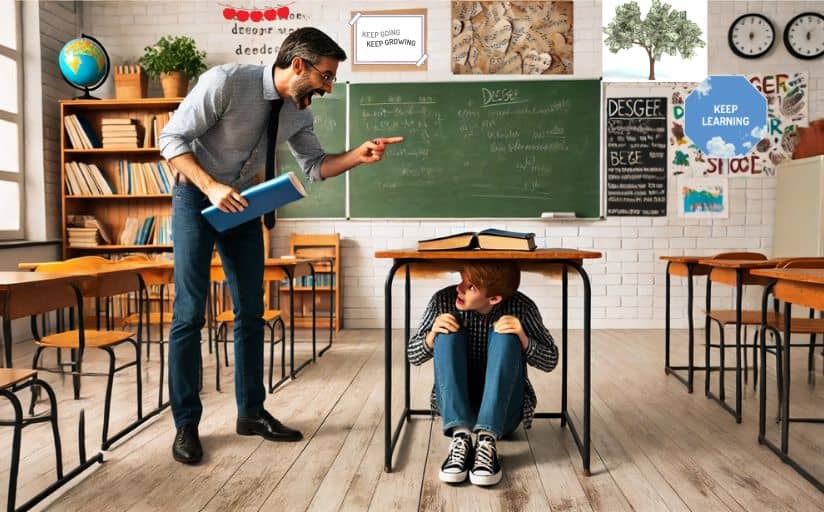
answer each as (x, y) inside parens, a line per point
(655, 447)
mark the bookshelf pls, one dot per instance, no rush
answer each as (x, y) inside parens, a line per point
(315, 246)
(139, 181)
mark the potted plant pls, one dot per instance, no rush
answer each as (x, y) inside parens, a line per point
(175, 60)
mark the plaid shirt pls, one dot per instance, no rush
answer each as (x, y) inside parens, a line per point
(541, 351)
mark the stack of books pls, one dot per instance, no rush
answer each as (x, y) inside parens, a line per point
(85, 231)
(119, 132)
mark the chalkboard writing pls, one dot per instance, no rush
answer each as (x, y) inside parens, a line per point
(482, 149)
(636, 156)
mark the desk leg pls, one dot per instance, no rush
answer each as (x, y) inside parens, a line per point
(388, 441)
(332, 307)
(667, 319)
(314, 314)
(762, 378)
(739, 292)
(7, 338)
(785, 395)
(584, 442)
(707, 325)
(291, 325)
(690, 331)
(407, 293)
(564, 341)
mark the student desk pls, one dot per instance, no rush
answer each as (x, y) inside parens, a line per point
(804, 287)
(18, 298)
(278, 269)
(550, 262)
(734, 273)
(682, 266)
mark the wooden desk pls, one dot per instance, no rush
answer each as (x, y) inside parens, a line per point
(278, 269)
(682, 266)
(803, 287)
(18, 298)
(735, 273)
(549, 262)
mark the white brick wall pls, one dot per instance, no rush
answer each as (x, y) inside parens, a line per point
(628, 284)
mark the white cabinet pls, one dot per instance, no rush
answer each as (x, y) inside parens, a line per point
(799, 208)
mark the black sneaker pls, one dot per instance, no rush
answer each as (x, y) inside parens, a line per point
(486, 470)
(456, 466)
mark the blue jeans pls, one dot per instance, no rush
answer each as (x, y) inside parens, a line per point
(499, 406)
(241, 251)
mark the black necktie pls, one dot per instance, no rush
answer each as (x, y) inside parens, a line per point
(272, 135)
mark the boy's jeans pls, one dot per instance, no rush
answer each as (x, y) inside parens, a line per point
(502, 404)
(241, 252)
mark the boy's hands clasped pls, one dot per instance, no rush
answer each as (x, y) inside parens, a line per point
(444, 324)
(509, 324)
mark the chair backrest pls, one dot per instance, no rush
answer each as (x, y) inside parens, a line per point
(757, 256)
(803, 263)
(105, 284)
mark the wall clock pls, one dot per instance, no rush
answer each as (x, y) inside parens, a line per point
(804, 35)
(751, 36)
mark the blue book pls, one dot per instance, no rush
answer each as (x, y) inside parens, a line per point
(262, 198)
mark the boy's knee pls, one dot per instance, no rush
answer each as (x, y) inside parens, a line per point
(448, 337)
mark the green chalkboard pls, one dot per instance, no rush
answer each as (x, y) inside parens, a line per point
(323, 198)
(478, 149)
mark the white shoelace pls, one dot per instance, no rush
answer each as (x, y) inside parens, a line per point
(485, 455)
(457, 451)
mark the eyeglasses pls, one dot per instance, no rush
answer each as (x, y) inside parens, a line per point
(328, 78)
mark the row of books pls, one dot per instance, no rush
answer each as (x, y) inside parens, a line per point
(81, 134)
(84, 179)
(117, 132)
(143, 178)
(152, 230)
(321, 281)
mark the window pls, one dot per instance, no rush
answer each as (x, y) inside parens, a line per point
(11, 122)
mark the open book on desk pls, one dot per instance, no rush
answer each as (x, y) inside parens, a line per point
(491, 239)
(262, 198)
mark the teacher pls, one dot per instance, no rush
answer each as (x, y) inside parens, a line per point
(218, 140)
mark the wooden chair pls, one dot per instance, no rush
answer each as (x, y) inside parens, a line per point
(726, 317)
(220, 322)
(105, 284)
(159, 318)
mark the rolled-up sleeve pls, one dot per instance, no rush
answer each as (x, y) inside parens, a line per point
(198, 111)
(308, 152)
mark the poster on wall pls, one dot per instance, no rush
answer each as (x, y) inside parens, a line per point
(636, 153)
(703, 197)
(253, 34)
(787, 101)
(389, 40)
(512, 38)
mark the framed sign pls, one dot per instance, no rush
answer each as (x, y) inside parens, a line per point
(389, 40)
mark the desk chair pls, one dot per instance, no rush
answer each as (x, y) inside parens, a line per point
(220, 322)
(159, 318)
(12, 381)
(77, 340)
(811, 325)
(726, 317)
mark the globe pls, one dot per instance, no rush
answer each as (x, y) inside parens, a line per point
(84, 63)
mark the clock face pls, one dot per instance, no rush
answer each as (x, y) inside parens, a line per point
(804, 35)
(751, 36)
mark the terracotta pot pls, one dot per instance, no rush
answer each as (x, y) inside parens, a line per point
(174, 84)
(810, 140)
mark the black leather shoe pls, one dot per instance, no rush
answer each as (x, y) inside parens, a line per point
(186, 448)
(267, 427)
